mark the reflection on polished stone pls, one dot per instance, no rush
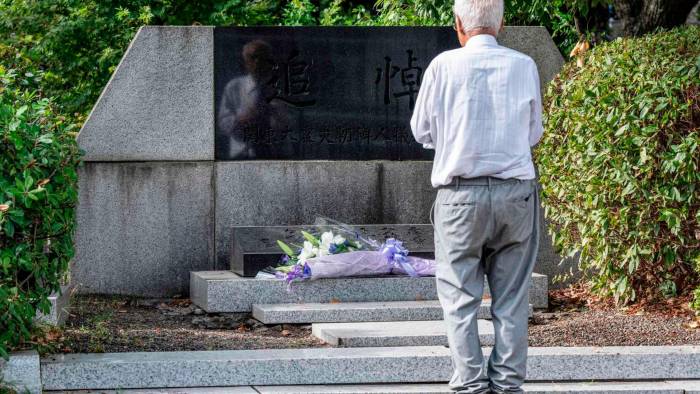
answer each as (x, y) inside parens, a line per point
(338, 93)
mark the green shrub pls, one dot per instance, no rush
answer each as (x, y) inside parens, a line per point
(80, 42)
(619, 165)
(38, 160)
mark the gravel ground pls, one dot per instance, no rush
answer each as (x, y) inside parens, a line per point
(118, 324)
(610, 328)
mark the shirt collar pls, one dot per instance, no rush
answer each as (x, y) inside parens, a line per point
(481, 40)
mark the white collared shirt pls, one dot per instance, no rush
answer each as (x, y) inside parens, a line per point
(480, 108)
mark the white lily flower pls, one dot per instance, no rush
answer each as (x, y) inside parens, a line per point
(308, 248)
(307, 252)
(338, 240)
(326, 242)
(327, 238)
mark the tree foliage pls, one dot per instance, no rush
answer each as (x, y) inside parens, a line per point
(38, 160)
(619, 164)
(78, 43)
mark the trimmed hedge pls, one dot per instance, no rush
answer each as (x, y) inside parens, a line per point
(619, 165)
(38, 161)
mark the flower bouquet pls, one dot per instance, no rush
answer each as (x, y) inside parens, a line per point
(341, 251)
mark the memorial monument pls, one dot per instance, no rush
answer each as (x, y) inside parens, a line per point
(202, 129)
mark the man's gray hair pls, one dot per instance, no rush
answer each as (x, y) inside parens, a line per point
(479, 14)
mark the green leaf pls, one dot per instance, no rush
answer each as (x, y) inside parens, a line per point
(21, 110)
(46, 139)
(620, 131)
(9, 229)
(310, 238)
(286, 249)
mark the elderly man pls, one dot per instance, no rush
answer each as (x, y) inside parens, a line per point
(479, 107)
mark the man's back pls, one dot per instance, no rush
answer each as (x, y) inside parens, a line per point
(479, 108)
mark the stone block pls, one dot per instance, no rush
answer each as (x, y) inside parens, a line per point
(655, 387)
(346, 312)
(158, 105)
(21, 372)
(688, 386)
(385, 334)
(407, 195)
(613, 363)
(185, 390)
(224, 291)
(60, 302)
(397, 388)
(255, 248)
(244, 367)
(539, 291)
(285, 193)
(142, 227)
(411, 364)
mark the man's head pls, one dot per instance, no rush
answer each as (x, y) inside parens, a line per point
(473, 17)
(258, 59)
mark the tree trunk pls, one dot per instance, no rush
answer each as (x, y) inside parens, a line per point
(643, 16)
(595, 21)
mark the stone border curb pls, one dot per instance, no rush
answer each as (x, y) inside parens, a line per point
(22, 372)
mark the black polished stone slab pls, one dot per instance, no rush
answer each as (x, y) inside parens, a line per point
(330, 93)
(255, 247)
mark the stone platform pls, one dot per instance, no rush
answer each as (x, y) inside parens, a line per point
(345, 312)
(647, 387)
(385, 334)
(424, 364)
(225, 291)
(650, 387)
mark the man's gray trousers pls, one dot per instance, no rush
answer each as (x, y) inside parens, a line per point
(486, 226)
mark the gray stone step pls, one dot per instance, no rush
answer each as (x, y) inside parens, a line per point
(225, 291)
(424, 364)
(401, 333)
(345, 312)
(648, 387)
(177, 390)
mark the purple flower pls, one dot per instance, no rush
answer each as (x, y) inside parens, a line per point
(333, 248)
(299, 272)
(396, 254)
(394, 251)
